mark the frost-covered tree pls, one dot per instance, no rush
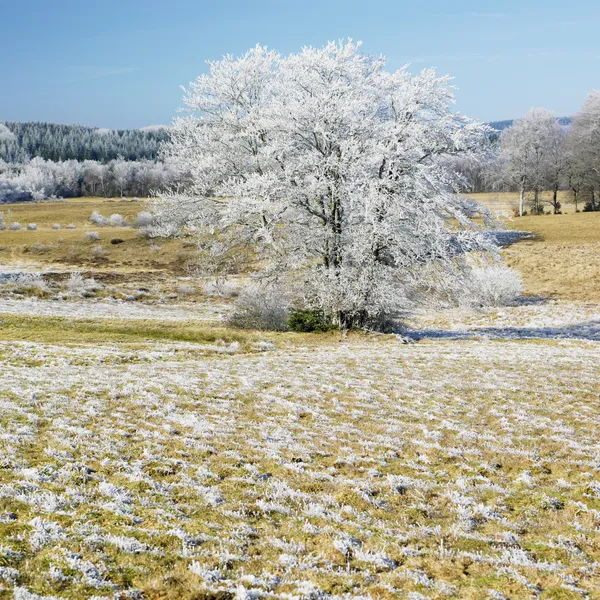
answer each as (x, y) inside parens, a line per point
(584, 144)
(6, 135)
(334, 170)
(527, 151)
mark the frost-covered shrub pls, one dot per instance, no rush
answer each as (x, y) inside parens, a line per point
(97, 219)
(91, 236)
(56, 226)
(116, 220)
(261, 308)
(31, 226)
(186, 290)
(39, 248)
(143, 219)
(493, 286)
(77, 284)
(221, 289)
(15, 226)
(99, 251)
(32, 283)
(2, 223)
(71, 226)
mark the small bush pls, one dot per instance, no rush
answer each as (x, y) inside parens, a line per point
(186, 290)
(493, 286)
(15, 226)
(91, 236)
(40, 248)
(71, 226)
(99, 251)
(31, 283)
(76, 284)
(31, 227)
(261, 308)
(221, 289)
(97, 219)
(143, 219)
(116, 241)
(304, 321)
(56, 226)
(117, 220)
(2, 223)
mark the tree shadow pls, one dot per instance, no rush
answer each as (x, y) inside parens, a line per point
(507, 237)
(586, 330)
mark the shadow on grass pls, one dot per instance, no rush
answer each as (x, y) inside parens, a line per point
(586, 330)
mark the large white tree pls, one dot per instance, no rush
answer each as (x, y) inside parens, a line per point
(334, 171)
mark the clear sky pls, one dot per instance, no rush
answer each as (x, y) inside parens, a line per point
(120, 63)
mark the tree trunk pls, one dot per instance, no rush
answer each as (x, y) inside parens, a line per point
(521, 200)
(555, 201)
(575, 198)
(593, 200)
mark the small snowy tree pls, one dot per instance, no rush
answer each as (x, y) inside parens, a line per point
(334, 170)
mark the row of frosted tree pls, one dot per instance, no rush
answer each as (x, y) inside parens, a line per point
(39, 179)
(537, 153)
(42, 160)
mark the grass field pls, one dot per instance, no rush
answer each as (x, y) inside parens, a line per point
(562, 261)
(507, 201)
(69, 248)
(146, 451)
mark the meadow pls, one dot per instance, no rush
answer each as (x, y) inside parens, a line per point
(148, 451)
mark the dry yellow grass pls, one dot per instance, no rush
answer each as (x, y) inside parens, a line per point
(50, 247)
(563, 259)
(171, 459)
(75, 210)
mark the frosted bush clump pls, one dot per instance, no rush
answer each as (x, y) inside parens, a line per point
(78, 285)
(97, 219)
(493, 286)
(92, 236)
(261, 308)
(143, 219)
(99, 251)
(29, 282)
(221, 289)
(117, 220)
(31, 226)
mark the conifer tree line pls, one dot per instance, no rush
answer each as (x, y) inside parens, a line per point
(23, 141)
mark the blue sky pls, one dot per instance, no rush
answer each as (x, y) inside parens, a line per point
(120, 63)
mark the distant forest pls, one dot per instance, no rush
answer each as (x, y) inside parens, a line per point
(20, 142)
